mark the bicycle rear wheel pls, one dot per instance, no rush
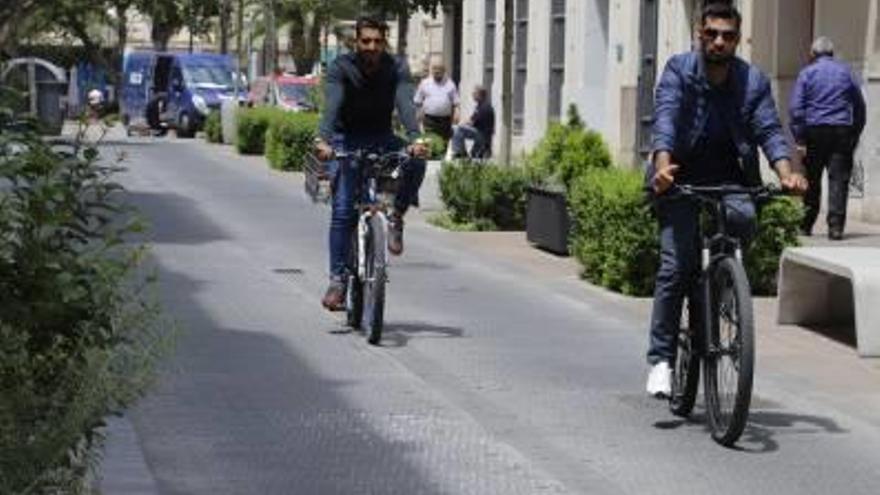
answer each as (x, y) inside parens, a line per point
(374, 280)
(686, 369)
(729, 365)
(354, 292)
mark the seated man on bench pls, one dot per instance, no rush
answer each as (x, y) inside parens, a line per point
(479, 128)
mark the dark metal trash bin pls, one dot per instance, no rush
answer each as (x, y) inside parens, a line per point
(547, 220)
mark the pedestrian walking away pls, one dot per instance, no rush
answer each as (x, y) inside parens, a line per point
(438, 102)
(712, 111)
(480, 128)
(827, 116)
(362, 89)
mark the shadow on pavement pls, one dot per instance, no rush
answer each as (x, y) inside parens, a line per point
(183, 224)
(238, 411)
(763, 427)
(398, 334)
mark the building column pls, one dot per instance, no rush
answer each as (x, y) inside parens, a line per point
(537, 89)
(623, 65)
(587, 61)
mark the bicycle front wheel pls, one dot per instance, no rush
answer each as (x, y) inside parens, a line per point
(686, 369)
(729, 365)
(374, 280)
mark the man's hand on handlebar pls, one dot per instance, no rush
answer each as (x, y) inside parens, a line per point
(418, 149)
(323, 150)
(664, 176)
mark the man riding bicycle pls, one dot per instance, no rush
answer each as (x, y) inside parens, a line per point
(712, 110)
(362, 90)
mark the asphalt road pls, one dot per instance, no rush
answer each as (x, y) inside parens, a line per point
(490, 379)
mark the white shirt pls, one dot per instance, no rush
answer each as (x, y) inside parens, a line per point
(437, 99)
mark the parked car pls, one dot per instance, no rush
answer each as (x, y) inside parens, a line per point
(175, 90)
(291, 93)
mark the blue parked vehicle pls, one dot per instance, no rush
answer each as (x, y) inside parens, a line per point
(175, 90)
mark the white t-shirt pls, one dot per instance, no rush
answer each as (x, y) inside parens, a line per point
(437, 99)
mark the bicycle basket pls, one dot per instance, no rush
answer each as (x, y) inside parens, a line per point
(317, 182)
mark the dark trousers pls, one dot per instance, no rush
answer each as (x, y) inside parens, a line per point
(828, 147)
(438, 125)
(680, 264)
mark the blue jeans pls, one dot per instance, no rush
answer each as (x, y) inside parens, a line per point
(344, 183)
(463, 132)
(680, 264)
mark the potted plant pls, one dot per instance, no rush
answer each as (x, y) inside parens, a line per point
(565, 153)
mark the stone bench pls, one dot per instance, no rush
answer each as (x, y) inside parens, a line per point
(833, 286)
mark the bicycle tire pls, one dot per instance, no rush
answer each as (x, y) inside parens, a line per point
(732, 340)
(686, 368)
(374, 280)
(354, 290)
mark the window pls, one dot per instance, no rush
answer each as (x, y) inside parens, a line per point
(520, 65)
(489, 47)
(557, 58)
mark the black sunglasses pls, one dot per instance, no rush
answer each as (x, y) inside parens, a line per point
(727, 36)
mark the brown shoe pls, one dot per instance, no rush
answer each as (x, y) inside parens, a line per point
(334, 298)
(395, 234)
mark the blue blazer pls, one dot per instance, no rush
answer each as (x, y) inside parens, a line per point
(680, 114)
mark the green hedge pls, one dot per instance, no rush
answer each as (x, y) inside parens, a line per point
(213, 127)
(289, 139)
(252, 124)
(490, 196)
(616, 241)
(615, 235)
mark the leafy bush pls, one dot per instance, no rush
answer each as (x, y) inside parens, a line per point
(252, 124)
(436, 146)
(616, 241)
(615, 235)
(77, 335)
(289, 138)
(566, 153)
(213, 127)
(778, 224)
(487, 195)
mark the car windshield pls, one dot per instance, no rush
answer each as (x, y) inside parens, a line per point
(208, 76)
(297, 92)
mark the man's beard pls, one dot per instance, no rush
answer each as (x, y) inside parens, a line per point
(368, 62)
(716, 58)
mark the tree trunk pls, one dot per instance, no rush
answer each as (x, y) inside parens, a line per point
(239, 32)
(160, 35)
(402, 32)
(507, 84)
(225, 14)
(121, 40)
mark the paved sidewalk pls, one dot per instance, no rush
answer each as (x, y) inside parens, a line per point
(823, 359)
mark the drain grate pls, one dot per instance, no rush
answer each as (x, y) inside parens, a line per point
(289, 271)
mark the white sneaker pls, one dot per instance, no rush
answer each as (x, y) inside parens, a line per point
(660, 380)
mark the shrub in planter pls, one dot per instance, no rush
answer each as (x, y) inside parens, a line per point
(213, 127)
(615, 234)
(565, 153)
(289, 138)
(252, 124)
(488, 195)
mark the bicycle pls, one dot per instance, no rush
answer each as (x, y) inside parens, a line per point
(367, 273)
(717, 325)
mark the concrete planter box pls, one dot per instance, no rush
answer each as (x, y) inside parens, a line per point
(547, 220)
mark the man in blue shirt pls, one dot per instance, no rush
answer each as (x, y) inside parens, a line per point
(827, 117)
(711, 112)
(362, 90)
